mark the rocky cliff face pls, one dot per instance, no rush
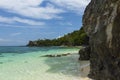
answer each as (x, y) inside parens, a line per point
(101, 22)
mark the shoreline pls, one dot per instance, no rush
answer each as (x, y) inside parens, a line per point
(84, 66)
(84, 70)
(33, 67)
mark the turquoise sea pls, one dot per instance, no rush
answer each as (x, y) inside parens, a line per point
(26, 63)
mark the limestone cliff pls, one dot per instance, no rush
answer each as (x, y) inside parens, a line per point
(101, 22)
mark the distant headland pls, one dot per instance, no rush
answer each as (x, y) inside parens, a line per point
(76, 38)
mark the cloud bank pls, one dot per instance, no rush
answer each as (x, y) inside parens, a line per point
(34, 8)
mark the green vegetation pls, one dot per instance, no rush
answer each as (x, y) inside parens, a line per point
(75, 38)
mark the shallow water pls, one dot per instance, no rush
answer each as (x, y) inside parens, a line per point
(26, 63)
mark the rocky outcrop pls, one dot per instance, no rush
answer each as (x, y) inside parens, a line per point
(101, 22)
(56, 55)
(84, 53)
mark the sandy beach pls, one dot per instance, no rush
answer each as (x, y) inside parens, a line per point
(84, 70)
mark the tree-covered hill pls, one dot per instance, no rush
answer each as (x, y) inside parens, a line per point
(75, 38)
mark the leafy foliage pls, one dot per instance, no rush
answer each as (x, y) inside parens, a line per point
(75, 38)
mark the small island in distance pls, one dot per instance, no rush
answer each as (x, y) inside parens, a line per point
(76, 38)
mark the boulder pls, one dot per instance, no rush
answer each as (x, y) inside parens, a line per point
(84, 53)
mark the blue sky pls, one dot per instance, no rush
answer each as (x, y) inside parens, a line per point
(24, 20)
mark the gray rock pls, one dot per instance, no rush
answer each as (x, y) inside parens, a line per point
(84, 53)
(56, 55)
(101, 22)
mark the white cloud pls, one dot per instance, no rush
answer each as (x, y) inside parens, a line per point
(30, 8)
(33, 8)
(76, 5)
(24, 26)
(4, 40)
(16, 34)
(58, 37)
(20, 20)
(9, 42)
